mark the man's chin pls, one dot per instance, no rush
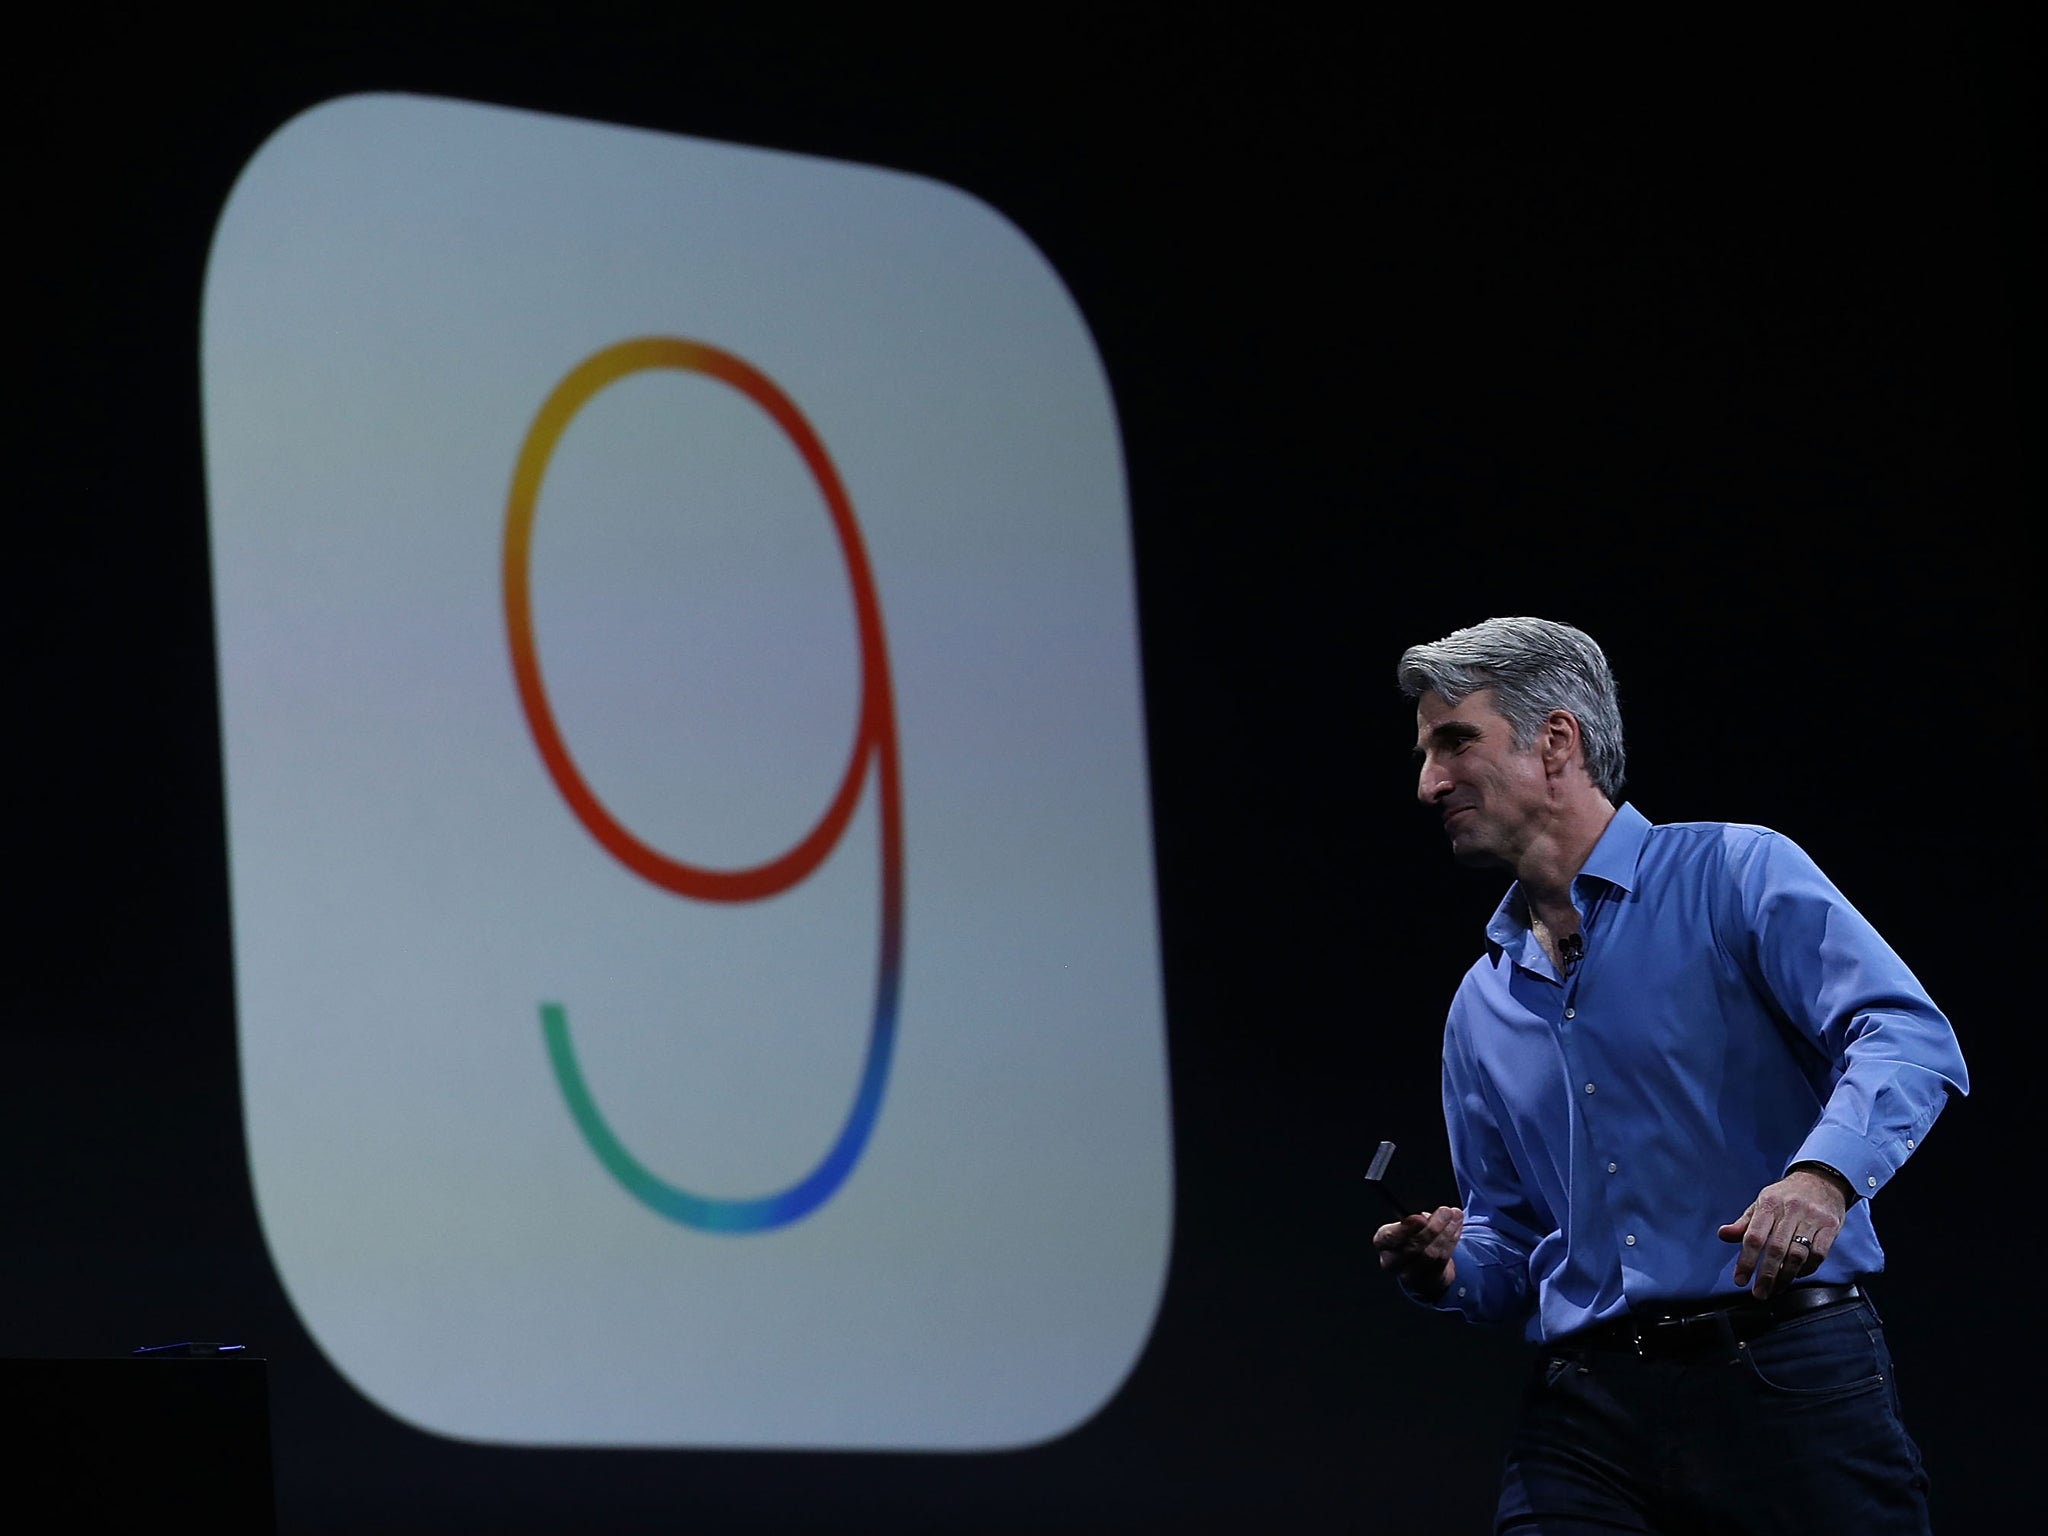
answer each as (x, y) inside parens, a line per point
(1475, 855)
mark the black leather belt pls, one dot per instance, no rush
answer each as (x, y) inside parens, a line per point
(1697, 1327)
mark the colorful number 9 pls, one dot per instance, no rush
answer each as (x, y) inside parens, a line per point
(874, 750)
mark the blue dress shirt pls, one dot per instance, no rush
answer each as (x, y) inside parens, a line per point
(1732, 1015)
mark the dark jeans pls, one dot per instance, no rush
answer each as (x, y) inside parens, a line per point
(1795, 1431)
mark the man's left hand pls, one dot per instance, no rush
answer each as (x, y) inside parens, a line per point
(1803, 1204)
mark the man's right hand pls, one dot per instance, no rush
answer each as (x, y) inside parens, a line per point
(1416, 1250)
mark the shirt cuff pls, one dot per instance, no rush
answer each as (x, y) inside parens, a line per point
(1483, 1293)
(1862, 1166)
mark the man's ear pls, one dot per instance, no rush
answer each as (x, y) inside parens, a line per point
(1559, 739)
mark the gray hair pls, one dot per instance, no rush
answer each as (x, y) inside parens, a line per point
(1533, 666)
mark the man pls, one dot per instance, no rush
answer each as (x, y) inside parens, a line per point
(1673, 1084)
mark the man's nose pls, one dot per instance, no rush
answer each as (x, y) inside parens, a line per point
(1430, 784)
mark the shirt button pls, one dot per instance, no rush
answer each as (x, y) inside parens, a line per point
(1571, 1013)
(1612, 1166)
(1589, 1087)
(1631, 1239)
(1461, 1290)
(1873, 1182)
(1909, 1143)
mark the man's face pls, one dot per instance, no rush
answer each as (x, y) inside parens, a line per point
(1491, 794)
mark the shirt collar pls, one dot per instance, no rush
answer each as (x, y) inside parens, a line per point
(1613, 859)
(1615, 856)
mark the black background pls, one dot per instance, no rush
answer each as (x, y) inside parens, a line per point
(1719, 343)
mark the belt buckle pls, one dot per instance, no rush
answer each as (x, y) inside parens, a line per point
(1654, 1327)
(1672, 1329)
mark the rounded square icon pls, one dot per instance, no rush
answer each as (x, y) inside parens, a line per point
(695, 942)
